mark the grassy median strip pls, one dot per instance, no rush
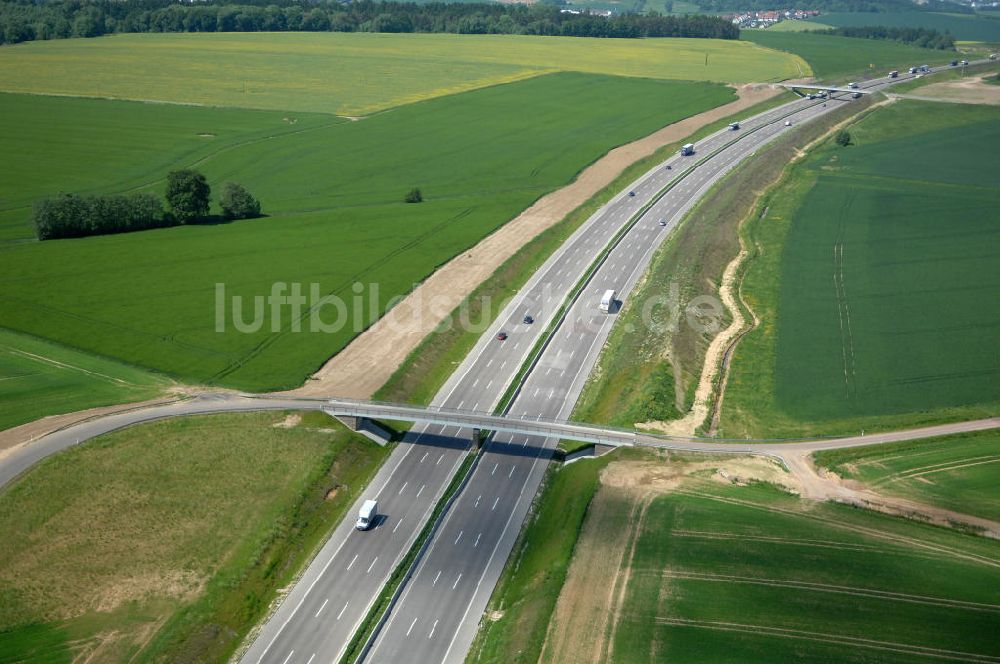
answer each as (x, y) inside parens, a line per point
(427, 368)
(365, 635)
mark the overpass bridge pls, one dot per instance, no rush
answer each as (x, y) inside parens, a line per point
(356, 413)
(826, 88)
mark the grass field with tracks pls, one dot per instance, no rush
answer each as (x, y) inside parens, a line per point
(357, 74)
(38, 378)
(333, 191)
(670, 562)
(831, 57)
(167, 541)
(874, 281)
(746, 574)
(955, 472)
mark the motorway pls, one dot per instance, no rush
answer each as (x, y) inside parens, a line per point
(438, 613)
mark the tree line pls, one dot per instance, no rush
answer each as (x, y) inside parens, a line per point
(26, 20)
(831, 6)
(923, 37)
(188, 198)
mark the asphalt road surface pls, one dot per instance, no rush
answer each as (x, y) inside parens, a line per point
(438, 613)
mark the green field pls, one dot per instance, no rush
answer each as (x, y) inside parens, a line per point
(356, 74)
(961, 26)
(661, 563)
(832, 57)
(167, 541)
(875, 281)
(958, 473)
(748, 575)
(38, 378)
(333, 193)
(797, 26)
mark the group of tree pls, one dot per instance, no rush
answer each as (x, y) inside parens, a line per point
(188, 199)
(923, 37)
(26, 20)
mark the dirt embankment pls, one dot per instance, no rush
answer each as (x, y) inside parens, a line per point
(368, 361)
(820, 484)
(973, 90)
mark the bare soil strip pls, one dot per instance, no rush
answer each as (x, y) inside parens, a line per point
(581, 616)
(971, 90)
(371, 358)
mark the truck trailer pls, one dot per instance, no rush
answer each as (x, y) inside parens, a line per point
(687, 150)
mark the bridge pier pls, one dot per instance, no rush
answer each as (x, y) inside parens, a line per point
(366, 427)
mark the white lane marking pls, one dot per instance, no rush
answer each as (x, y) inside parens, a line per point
(421, 490)
(351, 564)
(477, 500)
(402, 488)
(311, 658)
(372, 565)
(433, 627)
(476, 407)
(489, 384)
(397, 525)
(495, 466)
(424, 457)
(439, 459)
(342, 610)
(536, 391)
(477, 540)
(322, 606)
(455, 585)
(436, 578)
(459, 536)
(490, 363)
(495, 503)
(289, 657)
(475, 382)
(411, 626)
(511, 473)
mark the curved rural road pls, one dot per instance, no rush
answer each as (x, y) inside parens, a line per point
(438, 612)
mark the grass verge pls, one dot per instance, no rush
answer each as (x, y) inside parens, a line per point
(168, 541)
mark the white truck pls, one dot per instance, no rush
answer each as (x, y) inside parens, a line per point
(367, 515)
(608, 301)
(893, 74)
(687, 149)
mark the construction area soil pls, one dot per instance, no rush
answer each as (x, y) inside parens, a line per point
(974, 90)
(367, 362)
(583, 623)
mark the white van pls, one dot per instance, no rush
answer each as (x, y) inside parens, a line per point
(608, 301)
(367, 515)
